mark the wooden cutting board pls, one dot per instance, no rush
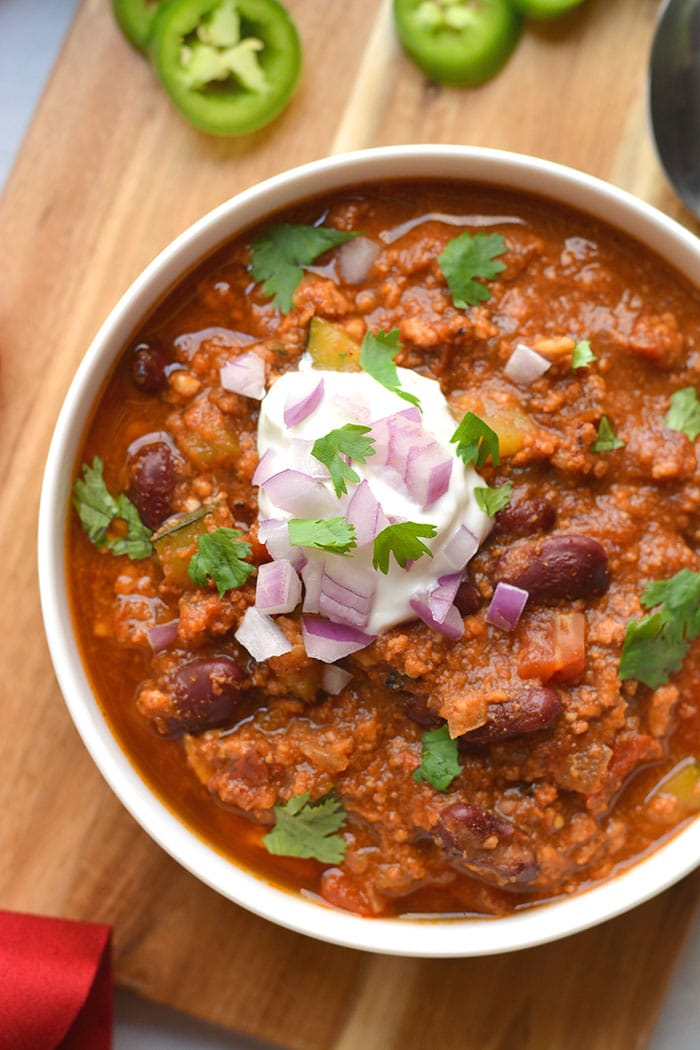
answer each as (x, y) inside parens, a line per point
(107, 176)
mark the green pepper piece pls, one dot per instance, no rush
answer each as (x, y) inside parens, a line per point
(175, 543)
(230, 66)
(331, 348)
(683, 785)
(458, 42)
(135, 19)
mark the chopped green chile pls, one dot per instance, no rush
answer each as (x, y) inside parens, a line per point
(682, 785)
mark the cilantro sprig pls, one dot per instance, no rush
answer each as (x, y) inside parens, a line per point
(99, 511)
(439, 759)
(278, 257)
(308, 829)
(377, 355)
(468, 260)
(349, 440)
(606, 441)
(655, 646)
(684, 412)
(219, 557)
(335, 535)
(476, 441)
(403, 541)
(582, 355)
(492, 500)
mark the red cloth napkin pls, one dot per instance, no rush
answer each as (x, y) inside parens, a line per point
(55, 984)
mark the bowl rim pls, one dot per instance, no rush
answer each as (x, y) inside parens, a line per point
(428, 936)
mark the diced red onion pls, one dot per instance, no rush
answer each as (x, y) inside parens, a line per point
(442, 596)
(162, 635)
(301, 459)
(506, 606)
(334, 679)
(525, 365)
(244, 374)
(383, 433)
(461, 547)
(428, 472)
(346, 595)
(312, 574)
(278, 588)
(260, 635)
(356, 258)
(300, 495)
(452, 626)
(329, 642)
(271, 463)
(297, 411)
(274, 533)
(364, 511)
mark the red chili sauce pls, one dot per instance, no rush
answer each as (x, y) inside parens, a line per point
(561, 762)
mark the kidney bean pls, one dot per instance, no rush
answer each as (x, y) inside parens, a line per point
(487, 845)
(528, 710)
(468, 598)
(528, 515)
(416, 708)
(564, 566)
(204, 693)
(149, 366)
(152, 483)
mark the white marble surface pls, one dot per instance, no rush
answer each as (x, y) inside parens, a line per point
(31, 32)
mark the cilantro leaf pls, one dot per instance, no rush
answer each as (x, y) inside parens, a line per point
(606, 440)
(278, 255)
(348, 440)
(377, 355)
(684, 412)
(439, 759)
(476, 441)
(582, 355)
(219, 557)
(330, 534)
(492, 500)
(401, 540)
(97, 509)
(467, 257)
(308, 829)
(656, 645)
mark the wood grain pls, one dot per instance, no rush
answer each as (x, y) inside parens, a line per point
(107, 176)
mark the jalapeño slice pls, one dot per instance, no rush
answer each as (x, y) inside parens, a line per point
(458, 42)
(545, 8)
(135, 18)
(230, 66)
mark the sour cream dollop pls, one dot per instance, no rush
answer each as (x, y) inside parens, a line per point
(401, 490)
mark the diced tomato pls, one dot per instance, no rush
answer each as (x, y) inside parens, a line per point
(553, 647)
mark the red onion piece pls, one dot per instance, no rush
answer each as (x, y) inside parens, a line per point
(364, 511)
(260, 635)
(244, 375)
(461, 547)
(162, 635)
(303, 460)
(334, 679)
(506, 606)
(300, 495)
(452, 626)
(525, 365)
(312, 574)
(382, 432)
(278, 588)
(346, 594)
(442, 596)
(270, 463)
(356, 258)
(274, 533)
(298, 411)
(329, 642)
(428, 473)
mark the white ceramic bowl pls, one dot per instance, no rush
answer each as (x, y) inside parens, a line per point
(431, 937)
